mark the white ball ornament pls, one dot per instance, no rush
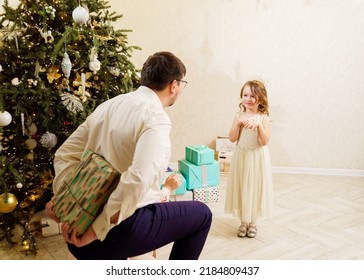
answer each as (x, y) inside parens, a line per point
(19, 185)
(94, 64)
(80, 15)
(5, 118)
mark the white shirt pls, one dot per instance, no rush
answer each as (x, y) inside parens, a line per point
(131, 131)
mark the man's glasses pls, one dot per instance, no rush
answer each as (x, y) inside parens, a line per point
(184, 83)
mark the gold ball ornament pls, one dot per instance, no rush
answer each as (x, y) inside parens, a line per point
(31, 143)
(8, 202)
(29, 156)
(32, 129)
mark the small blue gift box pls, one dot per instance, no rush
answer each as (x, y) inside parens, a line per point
(182, 188)
(200, 154)
(199, 176)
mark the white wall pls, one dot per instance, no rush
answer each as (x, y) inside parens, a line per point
(310, 54)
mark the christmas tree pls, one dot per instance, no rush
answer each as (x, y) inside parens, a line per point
(59, 59)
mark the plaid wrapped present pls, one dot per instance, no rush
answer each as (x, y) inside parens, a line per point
(207, 194)
(200, 154)
(85, 191)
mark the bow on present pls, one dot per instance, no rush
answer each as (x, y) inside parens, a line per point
(199, 149)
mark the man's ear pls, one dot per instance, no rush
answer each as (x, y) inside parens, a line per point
(173, 86)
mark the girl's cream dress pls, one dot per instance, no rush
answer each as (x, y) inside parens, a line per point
(249, 193)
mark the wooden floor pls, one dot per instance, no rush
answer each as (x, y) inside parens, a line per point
(315, 217)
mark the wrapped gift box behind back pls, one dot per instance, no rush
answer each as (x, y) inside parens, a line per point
(85, 191)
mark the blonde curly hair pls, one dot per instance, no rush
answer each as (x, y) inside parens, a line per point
(259, 90)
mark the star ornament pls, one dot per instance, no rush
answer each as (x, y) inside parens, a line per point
(53, 74)
(78, 81)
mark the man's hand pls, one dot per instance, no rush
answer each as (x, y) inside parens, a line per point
(173, 182)
(50, 213)
(78, 241)
(72, 237)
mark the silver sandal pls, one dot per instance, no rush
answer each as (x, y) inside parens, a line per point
(252, 231)
(242, 230)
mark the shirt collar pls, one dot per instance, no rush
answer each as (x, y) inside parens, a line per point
(150, 94)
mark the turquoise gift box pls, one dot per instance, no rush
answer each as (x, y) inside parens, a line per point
(182, 188)
(200, 154)
(199, 176)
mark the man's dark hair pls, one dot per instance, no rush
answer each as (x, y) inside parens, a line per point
(161, 69)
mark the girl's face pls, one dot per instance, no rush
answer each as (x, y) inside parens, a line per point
(249, 100)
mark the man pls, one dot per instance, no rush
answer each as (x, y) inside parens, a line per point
(131, 131)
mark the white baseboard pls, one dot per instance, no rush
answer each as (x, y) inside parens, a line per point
(303, 170)
(319, 171)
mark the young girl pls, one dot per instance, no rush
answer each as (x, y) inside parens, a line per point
(249, 193)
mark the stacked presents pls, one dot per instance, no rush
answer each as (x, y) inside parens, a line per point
(201, 173)
(225, 149)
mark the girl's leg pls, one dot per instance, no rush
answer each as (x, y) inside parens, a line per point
(186, 223)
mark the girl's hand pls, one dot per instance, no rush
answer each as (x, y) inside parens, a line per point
(251, 124)
(242, 122)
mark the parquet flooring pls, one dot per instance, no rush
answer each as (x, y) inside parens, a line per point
(315, 218)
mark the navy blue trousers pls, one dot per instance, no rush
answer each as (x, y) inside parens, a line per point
(186, 223)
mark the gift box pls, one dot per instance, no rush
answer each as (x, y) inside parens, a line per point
(200, 155)
(43, 225)
(207, 194)
(187, 196)
(223, 144)
(182, 188)
(224, 159)
(199, 176)
(85, 191)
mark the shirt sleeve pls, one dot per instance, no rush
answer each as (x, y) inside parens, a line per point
(69, 155)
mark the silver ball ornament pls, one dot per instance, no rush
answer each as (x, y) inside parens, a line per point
(48, 140)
